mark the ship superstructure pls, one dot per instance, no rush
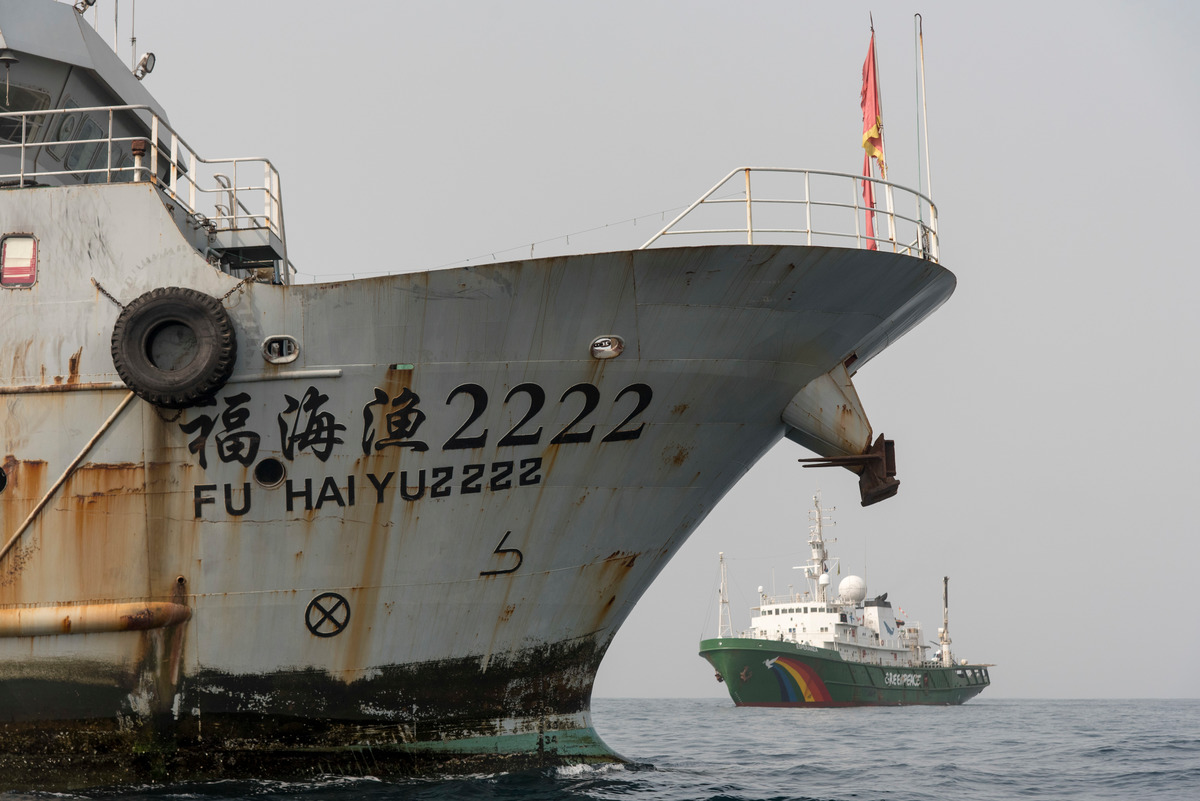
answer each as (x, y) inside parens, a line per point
(254, 527)
(859, 628)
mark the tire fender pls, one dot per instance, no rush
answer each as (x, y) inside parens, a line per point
(174, 346)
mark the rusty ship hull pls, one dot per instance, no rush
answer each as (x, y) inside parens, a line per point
(480, 579)
(397, 524)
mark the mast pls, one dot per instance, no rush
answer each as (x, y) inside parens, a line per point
(817, 569)
(724, 621)
(944, 631)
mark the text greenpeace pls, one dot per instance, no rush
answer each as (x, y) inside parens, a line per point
(902, 679)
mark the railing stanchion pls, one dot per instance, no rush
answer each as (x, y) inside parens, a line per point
(857, 229)
(891, 212)
(807, 209)
(154, 148)
(749, 214)
(192, 179)
(233, 198)
(108, 154)
(934, 245)
(173, 185)
(267, 198)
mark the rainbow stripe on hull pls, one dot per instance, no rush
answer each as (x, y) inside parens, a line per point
(798, 682)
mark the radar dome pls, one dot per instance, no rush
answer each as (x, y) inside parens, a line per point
(852, 588)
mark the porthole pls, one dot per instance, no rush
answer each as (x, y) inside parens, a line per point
(269, 472)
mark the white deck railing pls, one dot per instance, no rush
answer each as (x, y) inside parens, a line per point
(225, 194)
(811, 207)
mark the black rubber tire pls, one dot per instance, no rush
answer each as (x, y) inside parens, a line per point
(149, 323)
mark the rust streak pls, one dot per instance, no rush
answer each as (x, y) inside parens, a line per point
(73, 366)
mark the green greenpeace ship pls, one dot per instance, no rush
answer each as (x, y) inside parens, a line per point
(811, 649)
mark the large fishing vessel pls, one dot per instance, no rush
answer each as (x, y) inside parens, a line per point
(814, 649)
(254, 527)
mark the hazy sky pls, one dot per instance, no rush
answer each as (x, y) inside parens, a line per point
(1045, 417)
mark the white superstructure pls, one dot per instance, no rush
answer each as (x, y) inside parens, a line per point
(859, 628)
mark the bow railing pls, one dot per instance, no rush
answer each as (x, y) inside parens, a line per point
(811, 207)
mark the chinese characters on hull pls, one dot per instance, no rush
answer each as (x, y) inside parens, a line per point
(306, 424)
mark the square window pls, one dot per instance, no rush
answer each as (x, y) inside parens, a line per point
(18, 261)
(22, 99)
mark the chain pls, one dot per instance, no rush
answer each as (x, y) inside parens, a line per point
(223, 298)
(236, 287)
(106, 294)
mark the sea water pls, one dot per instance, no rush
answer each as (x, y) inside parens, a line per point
(685, 749)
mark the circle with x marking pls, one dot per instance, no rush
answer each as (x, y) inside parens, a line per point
(327, 615)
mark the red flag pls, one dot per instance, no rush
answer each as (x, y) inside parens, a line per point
(872, 138)
(872, 110)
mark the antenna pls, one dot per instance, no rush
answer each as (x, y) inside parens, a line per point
(724, 621)
(133, 36)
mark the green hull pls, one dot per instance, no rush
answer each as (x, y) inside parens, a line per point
(768, 673)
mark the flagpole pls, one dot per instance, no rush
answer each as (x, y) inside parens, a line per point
(868, 188)
(924, 107)
(917, 85)
(891, 213)
(878, 95)
(925, 125)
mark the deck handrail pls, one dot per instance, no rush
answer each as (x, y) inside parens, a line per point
(216, 200)
(913, 233)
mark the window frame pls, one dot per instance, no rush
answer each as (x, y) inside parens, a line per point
(3, 247)
(34, 127)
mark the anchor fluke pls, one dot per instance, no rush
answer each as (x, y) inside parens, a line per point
(876, 470)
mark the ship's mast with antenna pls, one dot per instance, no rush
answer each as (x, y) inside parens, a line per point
(817, 569)
(724, 621)
(944, 631)
(133, 36)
